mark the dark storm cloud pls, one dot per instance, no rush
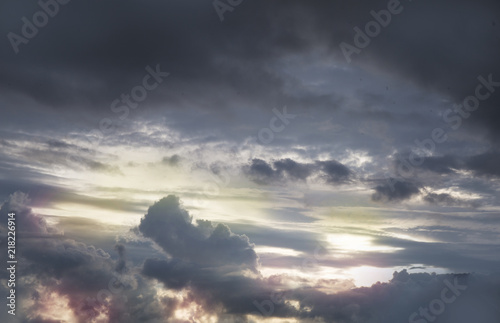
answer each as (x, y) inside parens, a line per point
(214, 64)
(394, 190)
(262, 172)
(216, 67)
(185, 39)
(334, 171)
(293, 169)
(443, 53)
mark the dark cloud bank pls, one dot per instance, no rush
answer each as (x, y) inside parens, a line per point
(442, 47)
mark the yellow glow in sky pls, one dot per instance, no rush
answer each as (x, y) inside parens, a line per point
(356, 243)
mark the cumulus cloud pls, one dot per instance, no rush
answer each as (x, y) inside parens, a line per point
(171, 227)
(219, 267)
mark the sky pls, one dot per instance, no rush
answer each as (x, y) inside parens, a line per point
(251, 161)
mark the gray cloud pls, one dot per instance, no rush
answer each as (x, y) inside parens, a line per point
(173, 160)
(292, 169)
(483, 164)
(51, 263)
(80, 271)
(404, 295)
(169, 225)
(394, 190)
(448, 200)
(334, 171)
(261, 172)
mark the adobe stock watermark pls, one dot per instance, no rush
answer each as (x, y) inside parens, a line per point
(454, 119)
(373, 28)
(277, 124)
(123, 104)
(221, 7)
(266, 307)
(436, 307)
(40, 19)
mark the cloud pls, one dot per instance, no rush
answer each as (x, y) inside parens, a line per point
(394, 191)
(445, 199)
(121, 264)
(220, 267)
(334, 171)
(226, 293)
(225, 77)
(55, 271)
(171, 227)
(56, 153)
(261, 172)
(406, 294)
(398, 190)
(282, 170)
(292, 169)
(173, 160)
(484, 164)
(27, 223)
(224, 285)
(442, 164)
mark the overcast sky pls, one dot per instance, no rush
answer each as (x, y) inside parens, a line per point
(252, 161)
